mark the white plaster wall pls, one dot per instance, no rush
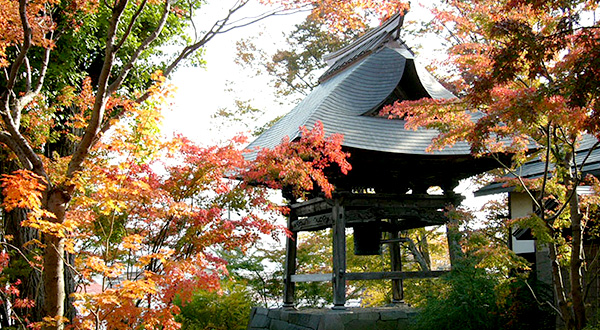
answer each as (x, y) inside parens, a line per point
(520, 206)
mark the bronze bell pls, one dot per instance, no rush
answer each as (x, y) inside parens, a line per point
(367, 239)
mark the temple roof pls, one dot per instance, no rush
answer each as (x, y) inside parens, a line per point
(375, 70)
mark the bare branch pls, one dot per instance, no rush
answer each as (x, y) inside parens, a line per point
(43, 68)
(248, 21)
(28, 74)
(31, 263)
(587, 156)
(575, 183)
(218, 27)
(20, 146)
(546, 172)
(225, 25)
(7, 139)
(542, 303)
(593, 276)
(12, 113)
(27, 35)
(521, 182)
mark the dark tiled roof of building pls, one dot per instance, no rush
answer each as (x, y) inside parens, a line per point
(359, 80)
(586, 156)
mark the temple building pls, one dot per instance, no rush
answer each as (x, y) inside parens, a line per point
(392, 171)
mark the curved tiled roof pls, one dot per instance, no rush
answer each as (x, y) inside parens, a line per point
(341, 102)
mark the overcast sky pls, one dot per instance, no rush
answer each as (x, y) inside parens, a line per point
(201, 91)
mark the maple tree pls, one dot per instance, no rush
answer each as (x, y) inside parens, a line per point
(294, 69)
(149, 238)
(72, 71)
(347, 15)
(525, 73)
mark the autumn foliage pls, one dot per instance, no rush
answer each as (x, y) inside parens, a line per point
(91, 193)
(148, 215)
(346, 15)
(300, 166)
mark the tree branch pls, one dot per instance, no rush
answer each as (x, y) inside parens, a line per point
(541, 204)
(31, 263)
(218, 27)
(20, 146)
(44, 68)
(134, 57)
(27, 35)
(97, 115)
(575, 183)
(14, 112)
(131, 24)
(28, 75)
(518, 177)
(7, 139)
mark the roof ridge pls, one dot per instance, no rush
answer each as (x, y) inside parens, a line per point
(394, 23)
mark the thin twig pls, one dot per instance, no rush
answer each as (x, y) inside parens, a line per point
(31, 263)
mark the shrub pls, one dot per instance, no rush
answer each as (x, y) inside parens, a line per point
(466, 300)
(211, 310)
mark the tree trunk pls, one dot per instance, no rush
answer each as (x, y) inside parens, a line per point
(423, 245)
(576, 260)
(54, 281)
(576, 264)
(31, 286)
(31, 279)
(559, 288)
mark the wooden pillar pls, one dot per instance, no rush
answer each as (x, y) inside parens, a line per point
(290, 264)
(396, 261)
(339, 256)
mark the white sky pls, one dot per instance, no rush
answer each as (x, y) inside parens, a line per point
(202, 91)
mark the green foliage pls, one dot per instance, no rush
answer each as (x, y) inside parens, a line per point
(261, 271)
(466, 300)
(525, 305)
(213, 310)
(471, 297)
(314, 256)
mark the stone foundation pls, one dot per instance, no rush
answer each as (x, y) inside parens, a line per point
(383, 318)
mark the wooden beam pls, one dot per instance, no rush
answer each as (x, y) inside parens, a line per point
(314, 206)
(312, 278)
(315, 222)
(395, 240)
(397, 275)
(339, 256)
(376, 203)
(409, 218)
(399, 201)
(394, 275)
